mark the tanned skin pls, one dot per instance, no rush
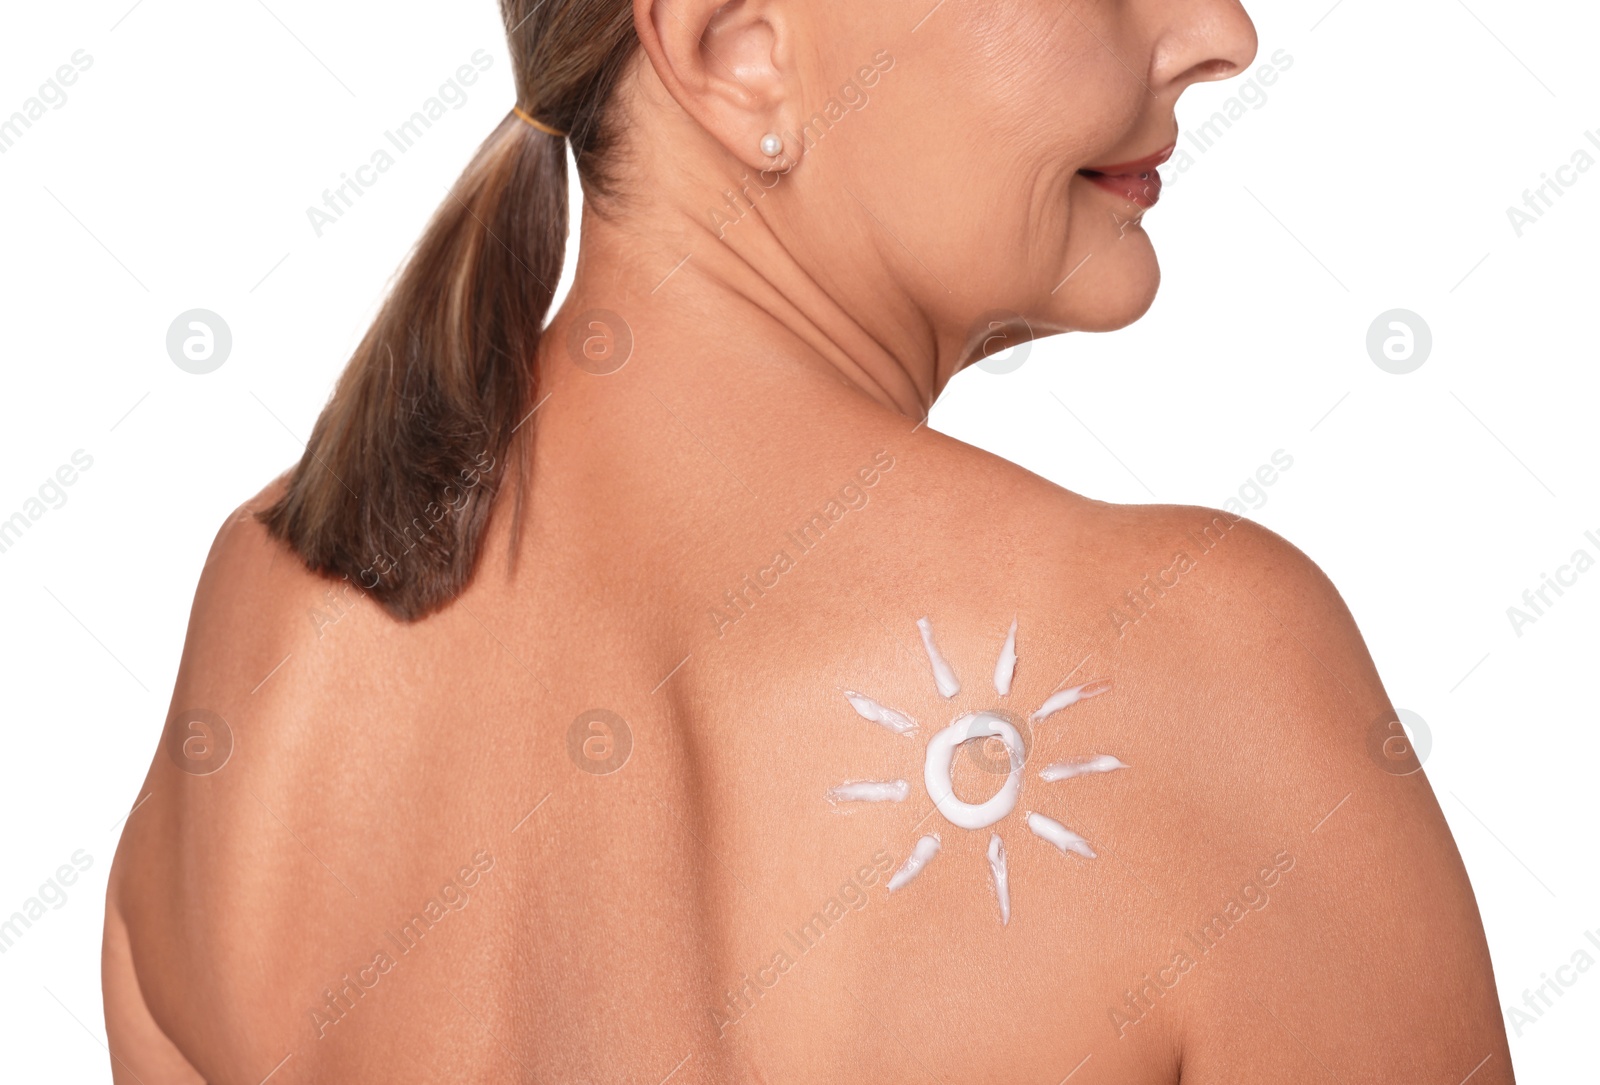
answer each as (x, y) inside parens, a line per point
(401, 860)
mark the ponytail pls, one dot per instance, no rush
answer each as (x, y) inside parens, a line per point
(397, 483)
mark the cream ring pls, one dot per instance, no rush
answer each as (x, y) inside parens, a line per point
(941, 752)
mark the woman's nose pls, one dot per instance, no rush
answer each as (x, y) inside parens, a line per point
(1197, 41)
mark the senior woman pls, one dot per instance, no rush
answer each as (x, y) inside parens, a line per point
(647, 694)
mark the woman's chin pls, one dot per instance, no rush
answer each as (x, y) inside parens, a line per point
(1120, 295)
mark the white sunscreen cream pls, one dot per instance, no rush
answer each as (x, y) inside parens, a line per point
(1007, 664)
(1066, 770)
(1059, 835)
(925, 850)
(997, 865)
(1057, 701)
(870, 791)
(868, 709)
(940, 760)
(941, 752)
(943, 675)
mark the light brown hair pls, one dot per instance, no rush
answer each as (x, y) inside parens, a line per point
(445, 375)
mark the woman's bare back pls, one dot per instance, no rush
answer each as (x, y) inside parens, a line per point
(577, 825)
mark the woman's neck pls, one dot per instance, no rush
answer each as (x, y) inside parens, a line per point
(720, 305)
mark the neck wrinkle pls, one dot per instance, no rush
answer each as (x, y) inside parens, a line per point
(750, 278)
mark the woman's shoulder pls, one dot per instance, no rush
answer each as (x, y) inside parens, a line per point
(1265, 747)
(1138, 559)
(256, 602)
(299, 723)
(247, 571)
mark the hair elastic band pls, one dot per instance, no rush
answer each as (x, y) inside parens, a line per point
(540, 125)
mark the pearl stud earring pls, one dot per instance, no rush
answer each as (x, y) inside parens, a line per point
(771, 145)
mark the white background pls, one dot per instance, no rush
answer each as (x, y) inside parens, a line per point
(1376, 176)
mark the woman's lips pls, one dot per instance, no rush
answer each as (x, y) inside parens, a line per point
(1136, 181)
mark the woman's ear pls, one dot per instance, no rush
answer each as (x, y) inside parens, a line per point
(729, 65)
